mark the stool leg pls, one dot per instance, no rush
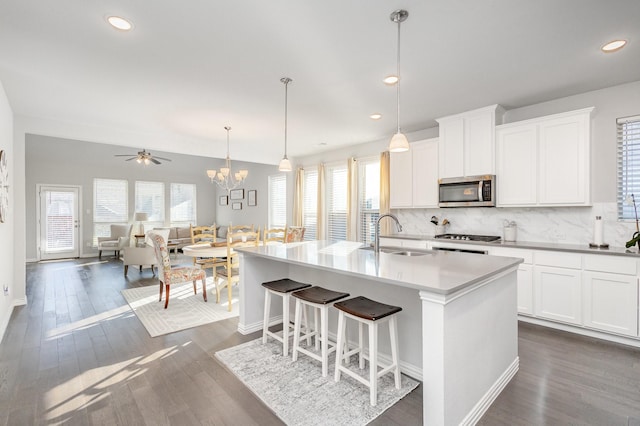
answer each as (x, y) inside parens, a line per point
(360, 345)
(316, 327)
(393, 333)
(285, 324)
(324, 337)
(373, 362)
(307, 328)
(339, 344)
(296, 330)
(265, 320)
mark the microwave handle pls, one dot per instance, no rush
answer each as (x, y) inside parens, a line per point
(480, 191)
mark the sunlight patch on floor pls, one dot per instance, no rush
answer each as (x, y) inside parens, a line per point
(85, 323)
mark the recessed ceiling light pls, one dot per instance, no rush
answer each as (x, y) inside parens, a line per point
(119, 23)
(375, 116)
(390, 80)
(613, 46)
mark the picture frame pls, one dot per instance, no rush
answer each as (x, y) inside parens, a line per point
(223, 200)
(236, 206)
(252, 197)
(236, 194)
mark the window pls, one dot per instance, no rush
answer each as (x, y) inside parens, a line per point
(150, 200)
(310, 204)
(277, 201)
(110, 206)
(183, 204)
(628, 165)
(337, 203)
(368, 198)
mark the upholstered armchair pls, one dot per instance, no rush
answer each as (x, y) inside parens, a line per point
(119, 239)
(145, 255)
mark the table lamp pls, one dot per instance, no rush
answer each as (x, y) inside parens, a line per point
(140, 217)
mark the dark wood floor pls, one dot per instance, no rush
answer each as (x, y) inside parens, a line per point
(77, 355)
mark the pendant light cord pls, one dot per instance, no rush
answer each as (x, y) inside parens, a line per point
(398, 83)
(286, 97)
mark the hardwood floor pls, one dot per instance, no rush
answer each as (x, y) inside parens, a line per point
(77, 355)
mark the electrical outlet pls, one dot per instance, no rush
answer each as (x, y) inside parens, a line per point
(6, 290)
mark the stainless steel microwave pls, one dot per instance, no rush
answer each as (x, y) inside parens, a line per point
(468, 191)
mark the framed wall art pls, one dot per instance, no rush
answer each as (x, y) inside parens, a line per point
(236, 206)
(236, 194)
(223, 200)
(252, 198)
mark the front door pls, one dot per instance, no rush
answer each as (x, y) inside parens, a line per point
(59, 213)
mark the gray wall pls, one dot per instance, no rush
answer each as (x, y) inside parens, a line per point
(55, 161)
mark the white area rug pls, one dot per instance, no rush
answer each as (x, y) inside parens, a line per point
(298, 394)
(185, 309)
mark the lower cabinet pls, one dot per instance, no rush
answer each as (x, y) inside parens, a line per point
(558, 294)
(611, 302)
(525, 289)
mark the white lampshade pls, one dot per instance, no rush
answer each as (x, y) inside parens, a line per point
(141, 217)
(244, 173)
(285, 165)
(399, 143)
(211, 174)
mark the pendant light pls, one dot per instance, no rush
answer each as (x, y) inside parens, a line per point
(399, 142)
(285, 164)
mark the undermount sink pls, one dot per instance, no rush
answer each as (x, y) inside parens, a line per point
(398, 251)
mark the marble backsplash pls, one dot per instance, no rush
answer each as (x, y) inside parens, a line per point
(564, 225)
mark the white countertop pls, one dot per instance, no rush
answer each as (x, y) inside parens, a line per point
(438, 271)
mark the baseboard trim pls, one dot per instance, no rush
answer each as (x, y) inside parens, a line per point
(487, 399)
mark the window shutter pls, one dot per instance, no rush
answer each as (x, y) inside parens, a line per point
(310, 213)
(183, 204)
(277, 201)
(337, 203)
(150, 200)
(110, 206)
(368, 199)
(628, 136)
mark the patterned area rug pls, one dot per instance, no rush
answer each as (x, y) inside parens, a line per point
(185, 309)
(298, 394)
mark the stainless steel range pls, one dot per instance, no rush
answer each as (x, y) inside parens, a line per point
(467, 237)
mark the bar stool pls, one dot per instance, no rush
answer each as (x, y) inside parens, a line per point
(283, 288)
(318, 298)
(371, 313)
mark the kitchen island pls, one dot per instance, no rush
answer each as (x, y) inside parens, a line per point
(457, 329)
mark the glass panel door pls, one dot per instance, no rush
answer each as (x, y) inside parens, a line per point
(59, 222)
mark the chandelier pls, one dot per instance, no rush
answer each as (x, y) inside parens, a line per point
(226, 179)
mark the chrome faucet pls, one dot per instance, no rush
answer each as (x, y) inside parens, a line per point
(376, 241)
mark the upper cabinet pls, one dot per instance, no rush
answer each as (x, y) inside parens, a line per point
(414, 176)
(467, 142)
(545, 161)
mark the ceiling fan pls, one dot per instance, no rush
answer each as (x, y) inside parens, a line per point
(143, 157)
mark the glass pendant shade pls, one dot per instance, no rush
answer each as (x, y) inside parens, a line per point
(399, 143)
(285, 165)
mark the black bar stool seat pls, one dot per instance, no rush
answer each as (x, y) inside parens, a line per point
(285, 285)
(319, 295)
(368, 309)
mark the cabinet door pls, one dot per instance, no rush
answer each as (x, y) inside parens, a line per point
(525, 289)
(479, 147)
(400, 180)
(450, 149)
(558, 294)
(425, 173)
(611, 302)
(564, 169)
(516, 168)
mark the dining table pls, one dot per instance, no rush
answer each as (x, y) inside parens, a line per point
(206, 250)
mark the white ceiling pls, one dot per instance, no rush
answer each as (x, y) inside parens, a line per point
(189, 68)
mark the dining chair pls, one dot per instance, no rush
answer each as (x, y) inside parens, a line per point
(294, 234)
(205, 235)
(230, 274)
(168, 275)
(274, 235)
(240, 228)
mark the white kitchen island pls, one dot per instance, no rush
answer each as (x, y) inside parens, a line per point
(457, 330)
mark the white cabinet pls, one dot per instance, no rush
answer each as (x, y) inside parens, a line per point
(414, 176)
(610, 286)
(558, 294)
(525, 276)
(545, 161)
(611, 302)
(467, 142)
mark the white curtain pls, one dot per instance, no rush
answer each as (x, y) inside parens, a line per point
(385, 225)
(352, 199)
(321, 228)
(298, 198)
